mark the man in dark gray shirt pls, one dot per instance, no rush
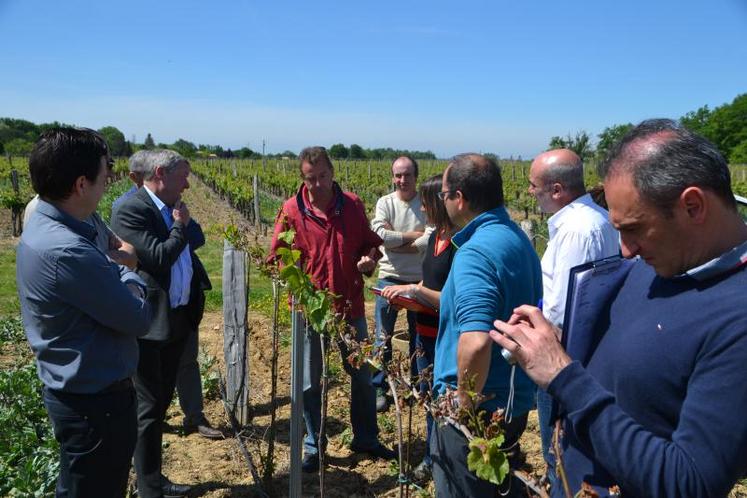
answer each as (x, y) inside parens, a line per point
(82, 315)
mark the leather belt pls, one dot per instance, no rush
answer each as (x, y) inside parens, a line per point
(120, 385)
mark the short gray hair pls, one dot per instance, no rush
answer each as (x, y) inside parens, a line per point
(167, 159)
(139, 162)
(569, 175)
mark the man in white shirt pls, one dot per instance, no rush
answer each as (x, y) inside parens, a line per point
(579, 232)
(400, 222)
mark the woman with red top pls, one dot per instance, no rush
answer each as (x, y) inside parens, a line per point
(436, 266)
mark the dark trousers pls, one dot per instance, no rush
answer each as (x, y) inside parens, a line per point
(154, 382)
(451, 475)
(428, 346)
(97, 434)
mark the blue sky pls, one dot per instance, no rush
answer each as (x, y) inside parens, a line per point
(501, 76)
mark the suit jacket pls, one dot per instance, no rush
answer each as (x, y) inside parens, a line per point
(138, 221)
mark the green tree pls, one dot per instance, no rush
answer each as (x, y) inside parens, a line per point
(184, 147)
(610, 136)
(727, 125)
(697, 121)
(246, 153)
(580, 144)
(356, 152)
(338, 151)
(18, 128)
(149, 143)
(115, 139)
(557, 142)
(19, 147)
(739, 154)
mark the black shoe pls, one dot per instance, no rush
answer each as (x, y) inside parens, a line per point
(173, 490)
(204, 429)
(382, 401)
(310, 463)
(378, 451)
(421, 473)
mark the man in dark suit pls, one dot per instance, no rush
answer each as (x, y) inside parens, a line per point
(154, 221)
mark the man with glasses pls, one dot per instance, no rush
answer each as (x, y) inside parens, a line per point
(337, 249)
(107, 241)
(400, 222)
(652, 403)
(494, 270)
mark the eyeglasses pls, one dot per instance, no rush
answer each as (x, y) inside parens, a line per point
(445, 193)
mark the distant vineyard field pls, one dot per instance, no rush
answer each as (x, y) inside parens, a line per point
(279, 179)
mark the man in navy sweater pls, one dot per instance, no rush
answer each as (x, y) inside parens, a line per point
(656, 407)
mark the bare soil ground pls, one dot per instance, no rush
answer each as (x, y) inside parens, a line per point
(218, 467)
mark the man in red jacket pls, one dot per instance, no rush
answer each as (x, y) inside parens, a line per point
(337, 246)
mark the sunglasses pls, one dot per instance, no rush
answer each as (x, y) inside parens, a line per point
(445, 193)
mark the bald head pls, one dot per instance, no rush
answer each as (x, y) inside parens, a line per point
(556, 179)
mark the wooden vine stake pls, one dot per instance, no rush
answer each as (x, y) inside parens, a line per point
(235, 331)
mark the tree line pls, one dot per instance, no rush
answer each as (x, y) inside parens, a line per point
(725, 126)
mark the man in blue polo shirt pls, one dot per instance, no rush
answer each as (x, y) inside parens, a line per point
(82, 315)
(495, 269)
(655, 406)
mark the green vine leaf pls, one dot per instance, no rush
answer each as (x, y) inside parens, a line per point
(287, 236)
(486, 459)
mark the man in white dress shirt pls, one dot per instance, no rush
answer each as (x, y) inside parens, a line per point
(579, 232)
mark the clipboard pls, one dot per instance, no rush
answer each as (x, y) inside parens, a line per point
(590, 288)
(409, 303)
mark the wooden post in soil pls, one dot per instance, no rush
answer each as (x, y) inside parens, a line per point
(235, 331)
(255, 192)
(16, 218)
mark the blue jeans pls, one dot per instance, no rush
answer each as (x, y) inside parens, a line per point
(428, 345)
(97, 434)
(362, 393)
(544, 412)
(386, 316)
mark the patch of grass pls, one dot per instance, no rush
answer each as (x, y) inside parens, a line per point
(9, 303)
(11, 330)
(386, 423)
(28, 450)
(260, 287)
(346, 437)
(112, 193)
(209, 375)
